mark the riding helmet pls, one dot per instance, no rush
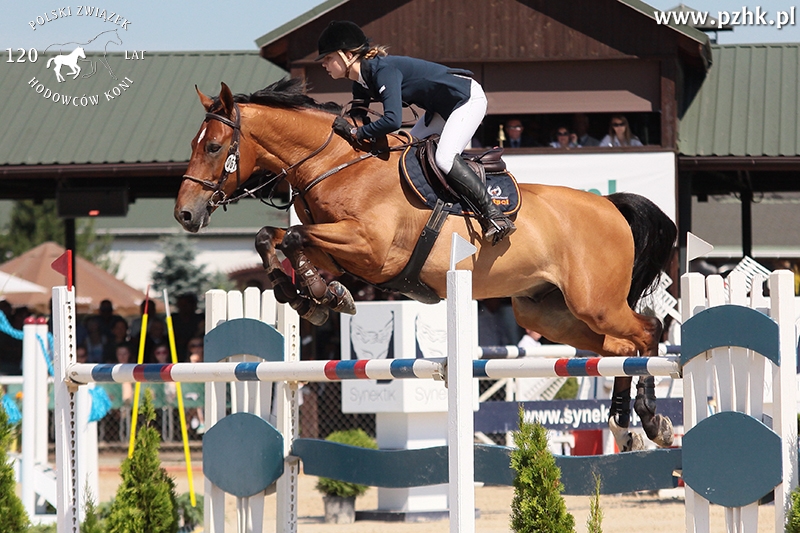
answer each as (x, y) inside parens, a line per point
(341, 35)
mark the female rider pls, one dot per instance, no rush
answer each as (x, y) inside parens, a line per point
(454, 107)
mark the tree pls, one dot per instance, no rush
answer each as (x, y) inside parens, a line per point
(12, 513)
(179, 273)
(537, 505)
(145, 499)
(32, 224)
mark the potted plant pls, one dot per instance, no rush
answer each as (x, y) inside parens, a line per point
(340, 496)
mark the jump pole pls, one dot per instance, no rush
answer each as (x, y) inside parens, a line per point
(371, 369)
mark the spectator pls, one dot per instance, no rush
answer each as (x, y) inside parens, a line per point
(124, 354)
(580, 125)
(186, 323)
(80, 354)
(196, 417)
(514, 134)
(564, 139)
(496, 325)
(154, 324)
(95, 341)
(118, 335)
(10, 348)
(107, 317)
(195, 349)
(531, 339)
(162, 356)
(161, 353)
(619, 133)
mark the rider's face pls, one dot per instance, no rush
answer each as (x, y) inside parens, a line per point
(335, 65)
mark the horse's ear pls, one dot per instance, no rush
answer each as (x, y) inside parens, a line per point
(226, 97)
(205, 100)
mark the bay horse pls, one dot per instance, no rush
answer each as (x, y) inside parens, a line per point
(574, 268)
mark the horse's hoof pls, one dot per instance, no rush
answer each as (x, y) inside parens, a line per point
(317, 315)
(310, 310)
(665, 434)
(344, 300)
(627, 441)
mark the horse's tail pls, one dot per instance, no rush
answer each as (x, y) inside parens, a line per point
(654, 235)
(48, 62)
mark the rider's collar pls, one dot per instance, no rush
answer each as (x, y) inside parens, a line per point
(361, 79)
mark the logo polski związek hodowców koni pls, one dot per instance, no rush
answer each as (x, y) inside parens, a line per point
(64, 67)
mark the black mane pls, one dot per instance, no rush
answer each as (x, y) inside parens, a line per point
(288, 93)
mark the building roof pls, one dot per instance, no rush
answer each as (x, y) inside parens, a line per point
(144, 130)
(298, 21)
(748, 104)
(447, 31)
(686, 30)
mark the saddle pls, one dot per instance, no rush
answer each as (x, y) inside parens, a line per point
(419, 170)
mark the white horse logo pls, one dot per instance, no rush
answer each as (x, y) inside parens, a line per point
(70, 60)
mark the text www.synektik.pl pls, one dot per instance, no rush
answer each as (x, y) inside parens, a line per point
(742, 17)
(574, 418)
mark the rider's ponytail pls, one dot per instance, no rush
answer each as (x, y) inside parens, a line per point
(375, 51)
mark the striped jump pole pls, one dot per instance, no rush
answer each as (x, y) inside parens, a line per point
(552, 350)
(309, 371)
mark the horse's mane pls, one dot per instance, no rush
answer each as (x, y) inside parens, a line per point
(288, 93)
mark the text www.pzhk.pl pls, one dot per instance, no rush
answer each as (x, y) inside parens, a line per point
(743, 17)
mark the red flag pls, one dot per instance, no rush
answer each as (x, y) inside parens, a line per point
(63, 265)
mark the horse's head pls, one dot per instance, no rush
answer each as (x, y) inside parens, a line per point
(81, 53)
(216, 158)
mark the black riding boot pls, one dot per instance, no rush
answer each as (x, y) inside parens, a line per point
(496, 225)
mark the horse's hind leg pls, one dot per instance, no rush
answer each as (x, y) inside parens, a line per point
(657, 426)
(550, 316)
(282, 286)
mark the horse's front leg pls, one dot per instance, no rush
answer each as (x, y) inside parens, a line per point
(282, 285)
(333, 294)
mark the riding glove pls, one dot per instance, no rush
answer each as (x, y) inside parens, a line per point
(344, 129)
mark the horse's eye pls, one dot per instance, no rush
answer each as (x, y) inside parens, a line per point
(213, 148)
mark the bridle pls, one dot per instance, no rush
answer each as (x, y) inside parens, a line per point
(232, 165)
(231, 162)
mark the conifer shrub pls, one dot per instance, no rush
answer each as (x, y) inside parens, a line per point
(145, 499)
(594, 524)
(793, 520)
(537, 505)
(13, 518)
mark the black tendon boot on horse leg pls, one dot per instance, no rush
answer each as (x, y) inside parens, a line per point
(658, 428)
(496, 225)
(619, 417)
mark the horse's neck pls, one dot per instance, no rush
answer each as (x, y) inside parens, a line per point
(292, 135)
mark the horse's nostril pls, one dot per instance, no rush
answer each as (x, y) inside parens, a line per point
(186, 215)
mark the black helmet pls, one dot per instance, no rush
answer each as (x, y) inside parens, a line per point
(341, 35)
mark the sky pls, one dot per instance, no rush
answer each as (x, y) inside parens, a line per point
(170, 25)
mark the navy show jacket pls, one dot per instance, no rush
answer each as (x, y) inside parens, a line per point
(395, 80)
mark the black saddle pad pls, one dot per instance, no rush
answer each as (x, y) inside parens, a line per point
(502, 187)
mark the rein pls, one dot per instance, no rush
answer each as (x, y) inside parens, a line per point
(232, 165)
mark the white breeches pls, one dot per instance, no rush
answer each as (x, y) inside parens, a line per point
(456, 132)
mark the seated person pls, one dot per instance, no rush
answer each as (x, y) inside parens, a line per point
(619, 134)
(564, 139)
